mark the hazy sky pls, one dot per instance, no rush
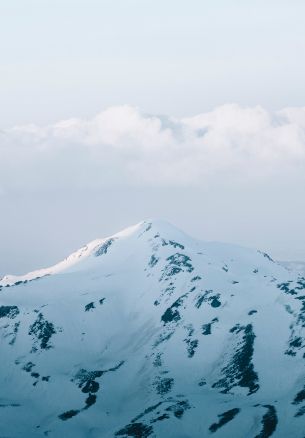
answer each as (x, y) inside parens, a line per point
(115, 111)
(64, 58)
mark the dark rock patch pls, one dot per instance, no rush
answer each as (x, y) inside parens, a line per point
(68, 414)
(91, 386)
(295, 344)
(89, 306)
(10, 405)
(300, 412)
(200, 300)
(176, 263)
(163, 385)
(207, 328)
(192, 345)
(179, 408)
(28, 367)
(87, 382)
(197, 278)
(224, 419)
(171, 314)
(300, 397)
(267, 256)
(138, 429)
(285, 287)
(172, 243)
(42, 330)
(176, 244)
(146, 412)
(90, 400)
(207, 297)
(153, 261)
(158, 360)
(45, 378)
(163, 337)
(20, 282)
(135, 430)
(169, 290)
(300, 283)
(236, 328)
(202, 382)
(13, 333)
(240, 370)
(9, 312)
(148, 227)
(103, 249)
(160, 418)
(215, 301)
(269, 422)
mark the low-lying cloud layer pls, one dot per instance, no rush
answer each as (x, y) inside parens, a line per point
(122, 146)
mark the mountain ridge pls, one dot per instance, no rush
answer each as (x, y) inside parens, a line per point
(87, 249)
(155, 334)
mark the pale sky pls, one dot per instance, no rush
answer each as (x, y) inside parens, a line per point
(66, 58)
(116, 111)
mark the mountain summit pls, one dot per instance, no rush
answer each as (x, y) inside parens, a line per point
(151, 333)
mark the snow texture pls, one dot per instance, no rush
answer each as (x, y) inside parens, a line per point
(151, 333)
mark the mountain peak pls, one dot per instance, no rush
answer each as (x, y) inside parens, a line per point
(149, 332)
(156, 225)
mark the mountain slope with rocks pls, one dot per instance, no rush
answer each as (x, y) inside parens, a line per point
(151, 333)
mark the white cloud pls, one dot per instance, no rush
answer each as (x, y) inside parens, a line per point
(122, 146)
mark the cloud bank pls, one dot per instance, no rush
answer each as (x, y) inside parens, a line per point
(122, 146)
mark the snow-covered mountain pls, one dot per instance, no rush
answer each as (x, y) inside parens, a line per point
(151, 333)
(298, 267)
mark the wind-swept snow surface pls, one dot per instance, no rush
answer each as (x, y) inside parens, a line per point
(150, 333)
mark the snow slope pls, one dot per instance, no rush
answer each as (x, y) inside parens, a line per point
(151, 333)
(295, 266)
